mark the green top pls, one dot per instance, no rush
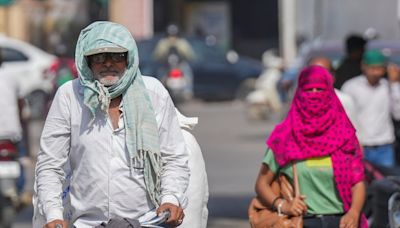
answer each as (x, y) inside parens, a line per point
(316, 183)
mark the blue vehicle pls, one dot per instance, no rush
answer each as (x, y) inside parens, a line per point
(215, 76)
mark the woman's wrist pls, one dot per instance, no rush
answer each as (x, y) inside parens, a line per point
(274, 202)
(280, 206)
(354, 211)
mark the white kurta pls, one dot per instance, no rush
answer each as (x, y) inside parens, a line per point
(375, 106)
(101, 183)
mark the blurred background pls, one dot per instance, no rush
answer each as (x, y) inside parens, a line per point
(230, 44)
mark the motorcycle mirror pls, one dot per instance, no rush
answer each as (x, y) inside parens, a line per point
(232, 56)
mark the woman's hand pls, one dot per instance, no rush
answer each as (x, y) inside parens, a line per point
(350, 219)
(296, 207)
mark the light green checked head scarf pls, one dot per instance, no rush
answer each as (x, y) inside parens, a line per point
(142, 139)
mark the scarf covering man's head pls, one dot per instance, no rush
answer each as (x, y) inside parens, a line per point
(141, 131)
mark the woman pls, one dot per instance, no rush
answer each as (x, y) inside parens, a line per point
(317, 136)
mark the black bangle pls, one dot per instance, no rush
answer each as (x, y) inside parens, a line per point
(273, 202)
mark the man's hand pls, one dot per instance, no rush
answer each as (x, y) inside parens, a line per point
(393, 72)
(176, 216)
(350, 219)
(57, 224)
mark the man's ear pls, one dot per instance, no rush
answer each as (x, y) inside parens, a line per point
(363, 67)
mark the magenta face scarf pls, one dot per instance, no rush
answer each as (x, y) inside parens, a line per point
(318, 126)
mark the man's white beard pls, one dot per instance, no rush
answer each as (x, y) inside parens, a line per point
(108, 81)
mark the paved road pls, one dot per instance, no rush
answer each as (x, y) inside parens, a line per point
(232, 147)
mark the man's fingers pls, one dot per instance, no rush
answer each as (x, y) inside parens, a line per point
(180, 215)
(56, 224)
(176, 214)
(173, 216)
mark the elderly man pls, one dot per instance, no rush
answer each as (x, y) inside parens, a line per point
(118, 132)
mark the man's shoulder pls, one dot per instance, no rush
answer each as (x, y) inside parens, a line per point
(344, 98)
(153, 85)
(149, 80)
(356, 81)
(70, 87)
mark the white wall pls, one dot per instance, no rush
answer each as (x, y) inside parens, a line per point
(334, 19)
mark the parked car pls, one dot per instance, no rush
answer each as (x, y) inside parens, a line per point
(31, 63)
(217, 75)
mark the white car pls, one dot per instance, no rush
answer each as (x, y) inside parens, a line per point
(31, 64)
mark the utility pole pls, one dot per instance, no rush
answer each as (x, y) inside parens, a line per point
(287, 30)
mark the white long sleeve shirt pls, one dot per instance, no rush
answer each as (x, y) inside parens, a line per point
(375, 106)
(349, 107)
(101, 183)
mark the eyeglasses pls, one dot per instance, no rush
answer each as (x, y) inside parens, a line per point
(102, 57)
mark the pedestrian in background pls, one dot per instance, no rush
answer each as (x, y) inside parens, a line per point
(119, 133)
(346, 100)
(173, 43)
(196, 212)
(350, 66)
(319, 138)
(265, 98)
(377, 100)
(14, 127)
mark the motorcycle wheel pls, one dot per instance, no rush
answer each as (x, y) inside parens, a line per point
(7, 212)
(245, 88)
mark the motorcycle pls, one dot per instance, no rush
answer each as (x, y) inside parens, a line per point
(10, 170)
(265, 99)
(178, 78)
(394, 210)
(382, 206)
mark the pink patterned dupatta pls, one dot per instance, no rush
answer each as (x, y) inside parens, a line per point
(317, 126)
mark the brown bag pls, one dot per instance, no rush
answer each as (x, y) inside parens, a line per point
(261, 216)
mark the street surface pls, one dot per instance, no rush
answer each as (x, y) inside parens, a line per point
(232, 147)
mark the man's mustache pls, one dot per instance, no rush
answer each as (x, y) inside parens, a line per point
(108, 71)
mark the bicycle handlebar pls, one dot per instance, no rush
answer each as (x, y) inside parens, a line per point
(162, 217)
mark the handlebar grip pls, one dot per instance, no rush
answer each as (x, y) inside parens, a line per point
(162, 217)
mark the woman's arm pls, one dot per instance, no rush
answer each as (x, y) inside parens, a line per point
(351, 218)
(269, 198)
(263, 185)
